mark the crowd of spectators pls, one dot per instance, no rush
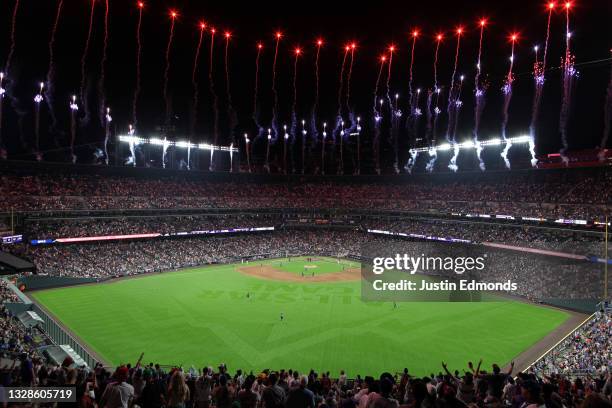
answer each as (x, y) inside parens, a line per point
(84, 227)
(6, 294)
(548, 196)
(154, 386)
(557, 239)
(123, 258)
(588, 349)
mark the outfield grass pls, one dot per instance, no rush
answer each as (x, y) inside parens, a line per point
(202, 316)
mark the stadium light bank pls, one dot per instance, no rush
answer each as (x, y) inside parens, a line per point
(136, 140)
(470, 144)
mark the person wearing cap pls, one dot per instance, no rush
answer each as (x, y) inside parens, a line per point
(118, 394)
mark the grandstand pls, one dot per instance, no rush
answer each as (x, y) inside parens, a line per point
(249, 285)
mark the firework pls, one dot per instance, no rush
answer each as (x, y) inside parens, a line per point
(391, 51)
(296, 53)
(539, 72)
(231, 113)
(348, 77)
(452, 92)
(9, 58)
(278, 36)
(51, 70)
(107, 121)
(194, 79)
(138, 57)
(269, 138)
(377, 118)
(101, 81)
(74, 107)
(340, 169)
(132, 144)
(480, 89)
(457, 108)
(415, 34)
(340, 88)
(323, 137)
(433, 96)
(568, 83)
(315, 107)
(247, 143)
(211, 86)
(507, 91)
(358, 170)
(173, 16)
(285, 140)
(37, 100)
(256, 93)
(84, 60)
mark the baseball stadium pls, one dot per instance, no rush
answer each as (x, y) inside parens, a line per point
(339, 205)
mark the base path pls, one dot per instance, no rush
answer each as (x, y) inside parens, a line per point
(271, 273)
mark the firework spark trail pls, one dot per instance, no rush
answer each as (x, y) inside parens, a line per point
(167, 101)
(107, 121)
(211, 85)
(84, 98)
(315, 108)
(194, 81)
(51, 70)
(377, 118)
(274, 91)
(411, 103)
(340, 88)
(260, 129)
(432, 115)
(507, 91)
(348, 79)
(138, 58)
(458, 103)
(452, 93)
(607, 119)
(294, 103)
(539, 72)
(37, 100)
(480, 89)
(102, 79)
(231, 113)
(267, 162)
(391, 50)
(568, 84)
(293, 114)
(436, 114)
(9, 58)
(73, 110)
(413, 154)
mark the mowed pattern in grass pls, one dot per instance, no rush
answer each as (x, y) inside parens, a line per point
(203, 316)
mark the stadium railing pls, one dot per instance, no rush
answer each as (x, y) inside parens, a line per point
(61, 337)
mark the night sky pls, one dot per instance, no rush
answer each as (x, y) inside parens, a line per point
(373, 26)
